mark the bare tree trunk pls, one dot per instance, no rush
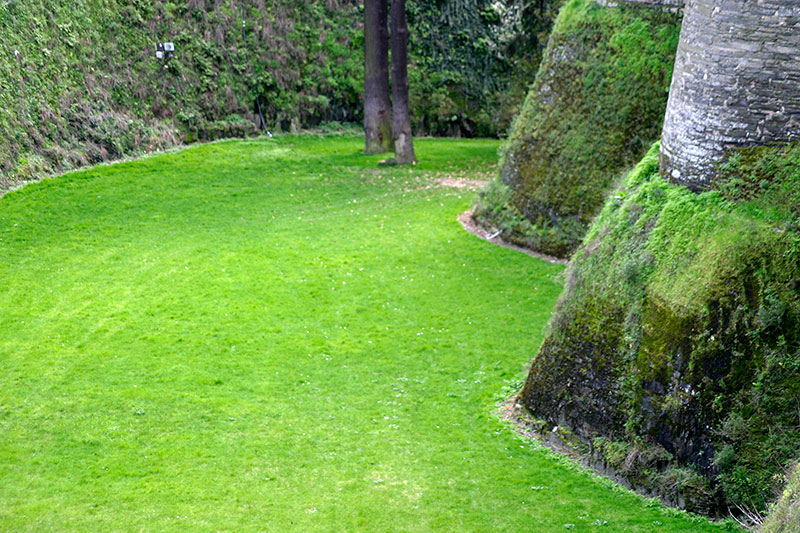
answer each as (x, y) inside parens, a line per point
(401, 121)
(377, 105)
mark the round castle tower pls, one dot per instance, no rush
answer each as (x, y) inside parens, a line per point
(736, 83)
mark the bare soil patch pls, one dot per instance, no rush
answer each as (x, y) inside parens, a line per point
(468, 224)
(461, 183)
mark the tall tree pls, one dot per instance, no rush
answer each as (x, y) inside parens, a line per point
(401, 120)
(377, 105)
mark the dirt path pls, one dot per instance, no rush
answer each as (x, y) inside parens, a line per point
(465, 219)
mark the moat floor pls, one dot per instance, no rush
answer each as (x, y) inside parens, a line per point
(277, 335)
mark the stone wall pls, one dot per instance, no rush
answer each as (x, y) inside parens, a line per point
(736, 83)
(661, 355)
(670, 4)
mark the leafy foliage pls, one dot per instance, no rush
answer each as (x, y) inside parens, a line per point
(474, 60)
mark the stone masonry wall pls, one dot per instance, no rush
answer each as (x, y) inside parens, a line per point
(670, 4)
(736, 83)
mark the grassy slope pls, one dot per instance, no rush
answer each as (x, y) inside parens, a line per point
(595, 107)
(785, 516)
(272, 335)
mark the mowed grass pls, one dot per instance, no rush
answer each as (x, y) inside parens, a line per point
(276, 335)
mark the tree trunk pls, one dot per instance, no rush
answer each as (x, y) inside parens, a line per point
(377, 105)
(401, 121)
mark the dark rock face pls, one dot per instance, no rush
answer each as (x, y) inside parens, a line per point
(736, 83)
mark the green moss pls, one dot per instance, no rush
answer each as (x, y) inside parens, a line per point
(596, 105)
(681, 325)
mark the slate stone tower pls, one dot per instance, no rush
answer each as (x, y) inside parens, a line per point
(736, 83)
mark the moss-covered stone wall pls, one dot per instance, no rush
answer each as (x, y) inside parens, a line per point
(80, 83)
(663, 4)
(675, 348)
(595, 107)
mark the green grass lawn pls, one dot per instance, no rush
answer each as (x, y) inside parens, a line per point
(276, 335)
